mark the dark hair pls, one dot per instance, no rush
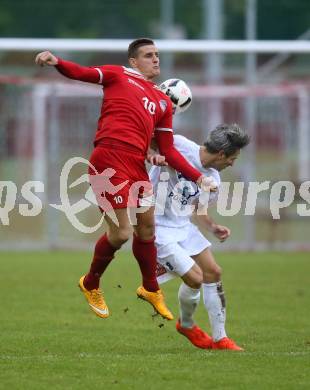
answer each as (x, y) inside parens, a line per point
(136, 44)
(228, 138)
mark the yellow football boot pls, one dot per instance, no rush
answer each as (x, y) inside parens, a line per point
(95, 300)
(156, 299)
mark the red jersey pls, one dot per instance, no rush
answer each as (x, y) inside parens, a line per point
(133, 109)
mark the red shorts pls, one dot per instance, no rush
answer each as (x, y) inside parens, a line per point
(118, 176)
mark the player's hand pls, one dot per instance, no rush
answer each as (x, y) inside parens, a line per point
(207, 183)
(46, 58)
(157, 159)
(221, 232)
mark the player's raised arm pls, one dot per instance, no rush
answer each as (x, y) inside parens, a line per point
(175, 159)
(69, 69)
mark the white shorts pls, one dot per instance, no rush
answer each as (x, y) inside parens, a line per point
(175, 246)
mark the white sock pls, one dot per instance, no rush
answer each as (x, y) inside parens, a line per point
(214, 301)
(188, 299)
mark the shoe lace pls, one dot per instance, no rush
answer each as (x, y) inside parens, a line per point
(158, 296)
(96, 296)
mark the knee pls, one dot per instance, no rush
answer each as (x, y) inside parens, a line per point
(118, 237)
(195, 280)
(217, 273)
(124, 234)
(213, 275)
(145, 231)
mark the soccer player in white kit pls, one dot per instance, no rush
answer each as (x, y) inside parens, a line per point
(182, 249)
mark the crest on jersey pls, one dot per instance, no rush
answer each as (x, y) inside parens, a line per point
(163, 105)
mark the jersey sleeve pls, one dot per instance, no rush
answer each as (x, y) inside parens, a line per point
(165, 122)
(91, 74)
(174, 158)
(109, 73)
(78, 72)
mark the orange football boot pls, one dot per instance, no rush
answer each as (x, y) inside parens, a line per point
(196, 336)
(157, 300)
(95, 300)
(226, 343)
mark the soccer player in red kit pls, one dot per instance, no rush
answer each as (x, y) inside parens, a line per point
(133, 111)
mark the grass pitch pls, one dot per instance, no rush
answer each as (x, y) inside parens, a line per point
(51, 340)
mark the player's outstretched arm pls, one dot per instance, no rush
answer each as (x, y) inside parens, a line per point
(69, 69)
(174, 158)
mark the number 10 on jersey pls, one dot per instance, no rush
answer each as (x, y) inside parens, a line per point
(149, 105)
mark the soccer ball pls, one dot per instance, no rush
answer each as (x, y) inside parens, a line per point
(179, 93)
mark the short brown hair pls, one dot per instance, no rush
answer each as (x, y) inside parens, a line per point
(136, 44)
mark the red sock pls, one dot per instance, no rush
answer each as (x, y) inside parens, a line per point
(103, 255)
(145, 252)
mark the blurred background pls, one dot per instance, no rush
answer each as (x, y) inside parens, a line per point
(46, 119)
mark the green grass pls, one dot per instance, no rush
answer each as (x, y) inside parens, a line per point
(50, 339)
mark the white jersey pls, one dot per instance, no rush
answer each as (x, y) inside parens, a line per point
(176, 197)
